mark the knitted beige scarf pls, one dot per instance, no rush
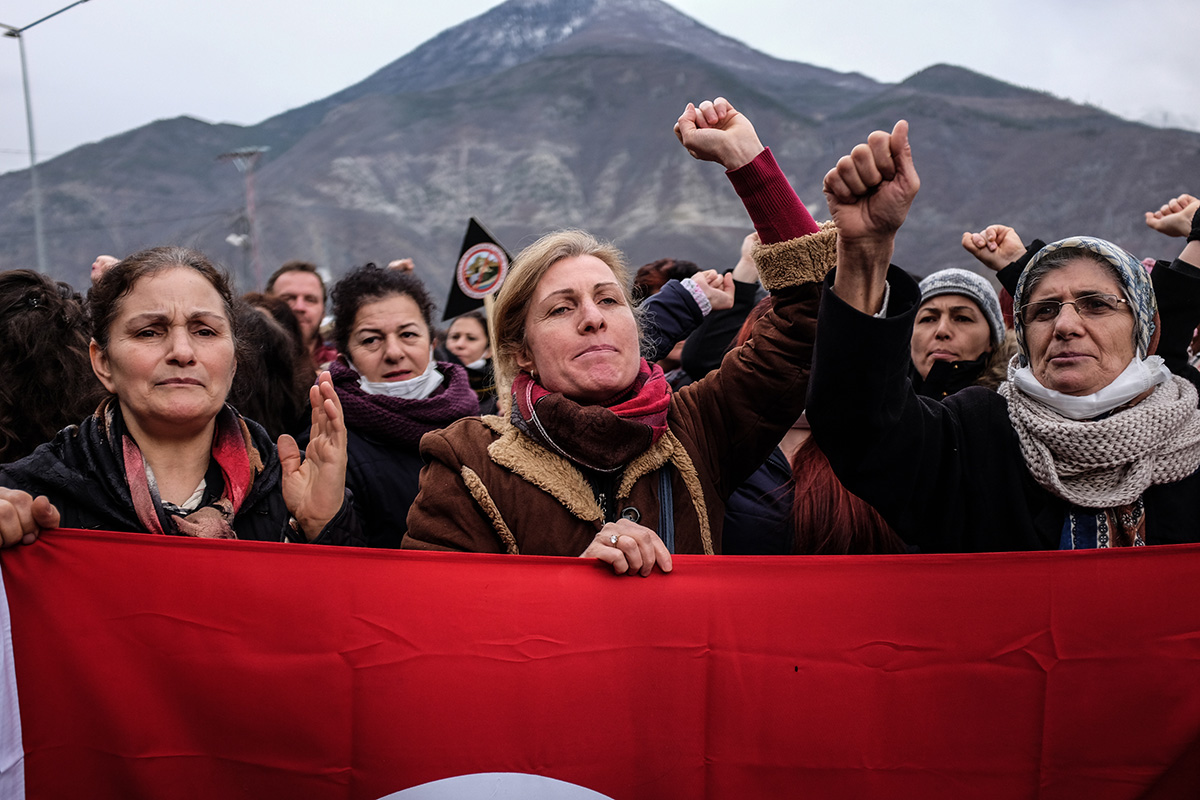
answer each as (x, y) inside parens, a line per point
(1109, 462)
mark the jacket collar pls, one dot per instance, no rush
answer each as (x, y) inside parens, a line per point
(560, 478)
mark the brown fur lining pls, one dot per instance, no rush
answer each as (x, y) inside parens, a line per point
(669, 448)
(655, 456)
(803, 260)
(484, 499)
(549, 472)
(691, 479)
(560, 479)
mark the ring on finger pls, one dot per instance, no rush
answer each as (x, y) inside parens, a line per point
(613, 539)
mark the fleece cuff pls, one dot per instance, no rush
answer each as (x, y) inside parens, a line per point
(802, 260)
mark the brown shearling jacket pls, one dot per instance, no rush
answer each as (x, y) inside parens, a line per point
(486, 487)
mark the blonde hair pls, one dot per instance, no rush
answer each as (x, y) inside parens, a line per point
(513, 299)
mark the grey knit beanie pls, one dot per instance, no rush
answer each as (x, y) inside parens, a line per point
(968, 284)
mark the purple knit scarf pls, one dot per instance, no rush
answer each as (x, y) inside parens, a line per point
(394, 420)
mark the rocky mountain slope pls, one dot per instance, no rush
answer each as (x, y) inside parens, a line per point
(542, 114)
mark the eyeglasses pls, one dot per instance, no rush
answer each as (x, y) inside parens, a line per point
(1089, 306)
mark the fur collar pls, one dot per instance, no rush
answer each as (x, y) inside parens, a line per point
(560, 478)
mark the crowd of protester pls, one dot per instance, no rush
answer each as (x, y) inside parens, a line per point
(812, 399)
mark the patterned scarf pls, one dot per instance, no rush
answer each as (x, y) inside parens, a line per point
(599, 438)
(234, 454)
(398, 421)
(1100, 528)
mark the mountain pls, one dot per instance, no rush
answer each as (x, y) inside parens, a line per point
(542, 114)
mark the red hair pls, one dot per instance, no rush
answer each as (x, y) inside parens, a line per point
(826, 518)
(758, 312)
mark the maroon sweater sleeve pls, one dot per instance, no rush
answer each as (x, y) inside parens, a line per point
(776, 211)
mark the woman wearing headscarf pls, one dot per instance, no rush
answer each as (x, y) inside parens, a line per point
(1090, 443)
(599, 458)
(794, 503)
(958, 335)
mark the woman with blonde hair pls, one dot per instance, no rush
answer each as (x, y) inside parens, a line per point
(598, 458)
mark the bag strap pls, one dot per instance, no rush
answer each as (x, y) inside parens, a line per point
(666, 509)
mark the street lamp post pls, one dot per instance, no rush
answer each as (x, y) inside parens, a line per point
(245, 160)
(15, 33)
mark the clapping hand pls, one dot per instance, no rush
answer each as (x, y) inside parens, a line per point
(314, 488)
(717, 288)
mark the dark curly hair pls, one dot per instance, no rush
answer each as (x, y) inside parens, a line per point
(48, 379)
(104, 298)
(367, 284)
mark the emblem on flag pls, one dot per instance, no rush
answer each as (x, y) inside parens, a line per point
(481, 269)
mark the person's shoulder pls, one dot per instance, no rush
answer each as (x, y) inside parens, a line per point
(489, 425)
(467, 433)
(61, 468)
(980, 412)
(979, 397)
(45, 456)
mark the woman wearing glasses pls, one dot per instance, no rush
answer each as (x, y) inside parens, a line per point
(1091, 442)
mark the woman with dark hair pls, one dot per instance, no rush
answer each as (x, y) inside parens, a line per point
(48, 381)
(651, 277)
(392, 390)
(271, 385)
(165, 453)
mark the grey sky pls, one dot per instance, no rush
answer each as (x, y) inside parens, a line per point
(108, 66)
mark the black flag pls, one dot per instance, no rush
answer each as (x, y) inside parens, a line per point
(481, 268)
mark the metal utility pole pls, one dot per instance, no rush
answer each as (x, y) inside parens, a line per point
(245, 160)
(15, 33)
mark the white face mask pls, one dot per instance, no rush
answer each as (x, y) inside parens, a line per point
(417, 388)
(1138, 377)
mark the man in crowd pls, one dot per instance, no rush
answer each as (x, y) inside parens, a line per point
(299, 285)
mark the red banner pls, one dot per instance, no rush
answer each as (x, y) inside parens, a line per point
(161, 667)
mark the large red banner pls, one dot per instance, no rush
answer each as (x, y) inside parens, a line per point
(163, 667)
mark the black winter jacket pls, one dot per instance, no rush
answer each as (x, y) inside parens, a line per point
(385, 479)
(948, 476)
(81, 476)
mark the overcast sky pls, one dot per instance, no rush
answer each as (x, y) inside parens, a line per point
(108, 66)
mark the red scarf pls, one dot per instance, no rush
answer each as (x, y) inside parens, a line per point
(601, 438)
(234, 453)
